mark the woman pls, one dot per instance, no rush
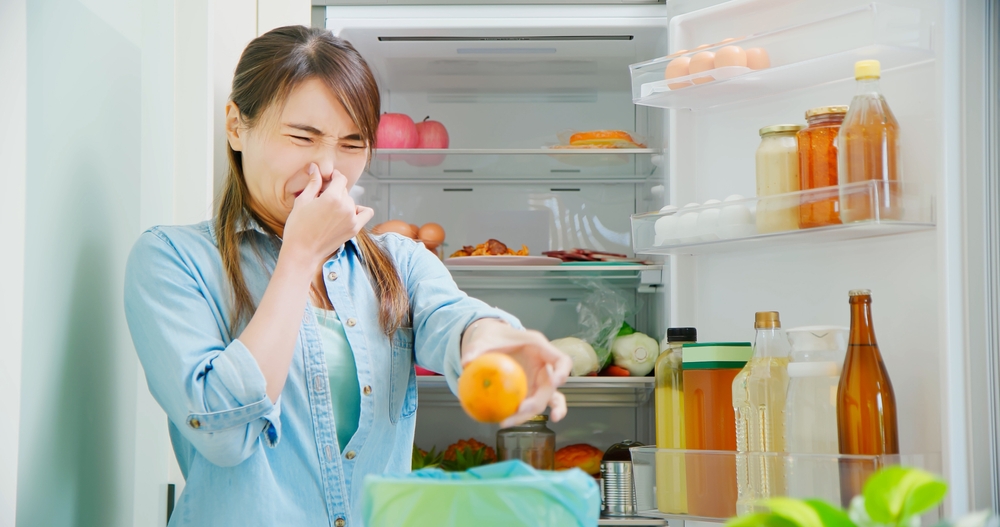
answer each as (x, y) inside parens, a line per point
(280, 337)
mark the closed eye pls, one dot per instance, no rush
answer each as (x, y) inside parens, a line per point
(301, 138)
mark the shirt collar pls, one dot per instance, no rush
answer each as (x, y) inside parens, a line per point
(250, 223)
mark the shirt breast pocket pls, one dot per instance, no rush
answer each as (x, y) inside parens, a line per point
(403, 380)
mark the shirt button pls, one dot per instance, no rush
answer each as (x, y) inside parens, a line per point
(329, 452)
(332, 276)
(195, 423)
(350, 454)
(318, 384)
(367, 390)
(351, 322)
(339, 522)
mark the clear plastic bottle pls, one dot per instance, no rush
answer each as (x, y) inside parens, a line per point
(759, 393)
(811, 424)
(671, 497)
(869, 150)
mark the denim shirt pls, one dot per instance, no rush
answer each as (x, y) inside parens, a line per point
(245, 460)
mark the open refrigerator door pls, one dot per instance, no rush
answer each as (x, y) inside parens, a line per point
(512, 84)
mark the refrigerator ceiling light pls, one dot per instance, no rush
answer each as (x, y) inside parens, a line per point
(549, 38)
(504, 51)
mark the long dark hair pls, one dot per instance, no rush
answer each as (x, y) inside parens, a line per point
(270, 67)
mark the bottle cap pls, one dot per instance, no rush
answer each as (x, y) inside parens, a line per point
(860, 292)
(540, 418)
(766, 320)
(682, 335)
(780, 128)
(867, 69)
(825, 110)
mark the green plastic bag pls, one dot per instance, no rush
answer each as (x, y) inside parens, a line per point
(506, 494)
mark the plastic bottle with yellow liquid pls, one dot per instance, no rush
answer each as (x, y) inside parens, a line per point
(759, 393)
(671, 496)
(868, 150)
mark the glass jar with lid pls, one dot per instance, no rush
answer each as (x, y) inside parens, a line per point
(531, 442)
(777, 173)
(818, 165)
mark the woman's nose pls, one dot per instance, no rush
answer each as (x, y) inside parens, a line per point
(326, 168)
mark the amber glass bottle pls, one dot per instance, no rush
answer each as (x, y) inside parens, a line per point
(866, 406)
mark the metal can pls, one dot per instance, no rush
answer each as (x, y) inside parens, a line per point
(617, 484)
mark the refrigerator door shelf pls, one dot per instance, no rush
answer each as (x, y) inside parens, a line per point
(800, 56)
(772, 221)
(591, 392)
(709, 477)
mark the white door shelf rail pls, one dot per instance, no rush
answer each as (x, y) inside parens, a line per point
(526, 163)
(772, 221)
(801, 56)
(644, 277)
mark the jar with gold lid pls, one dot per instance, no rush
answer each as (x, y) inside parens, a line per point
(531, 442)
(777, 173)
(817, 144)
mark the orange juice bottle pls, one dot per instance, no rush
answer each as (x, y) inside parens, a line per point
(868, 150)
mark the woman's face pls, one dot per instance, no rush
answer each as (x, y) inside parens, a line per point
(311, 127)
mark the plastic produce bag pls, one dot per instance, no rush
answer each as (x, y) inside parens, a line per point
(505, 494)
(601, 314)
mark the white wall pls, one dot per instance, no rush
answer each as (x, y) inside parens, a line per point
(75, 461)
(13, 123)
(278, 13)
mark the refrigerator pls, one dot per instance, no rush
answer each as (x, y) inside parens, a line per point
(512, 80)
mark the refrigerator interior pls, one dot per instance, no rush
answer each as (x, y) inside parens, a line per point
(507, 82)
(517, 93)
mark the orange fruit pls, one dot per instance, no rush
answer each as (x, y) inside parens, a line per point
(492, 387)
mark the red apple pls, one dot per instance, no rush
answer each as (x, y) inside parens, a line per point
(430, 134)
(396, 130)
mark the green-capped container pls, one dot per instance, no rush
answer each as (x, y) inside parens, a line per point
(710, 424)
(716, 355)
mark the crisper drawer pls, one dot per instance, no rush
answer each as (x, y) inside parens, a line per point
(541, 216)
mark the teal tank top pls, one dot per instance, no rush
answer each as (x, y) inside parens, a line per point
(345, 390)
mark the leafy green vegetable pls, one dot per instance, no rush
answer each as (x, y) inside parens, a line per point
(829, 515)
(796, 511)
(895, 494)
(892, 497)
(423, 459)
(759, 520)
(625, 330)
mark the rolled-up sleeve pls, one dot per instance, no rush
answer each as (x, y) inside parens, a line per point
(441, 312)
(213, 392)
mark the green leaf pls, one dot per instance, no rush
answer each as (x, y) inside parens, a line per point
(759, 519)
(796, 511)
(829, 515)
(625, 330)
(893, 495)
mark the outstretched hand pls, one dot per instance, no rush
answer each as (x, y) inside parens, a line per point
(545, 366)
